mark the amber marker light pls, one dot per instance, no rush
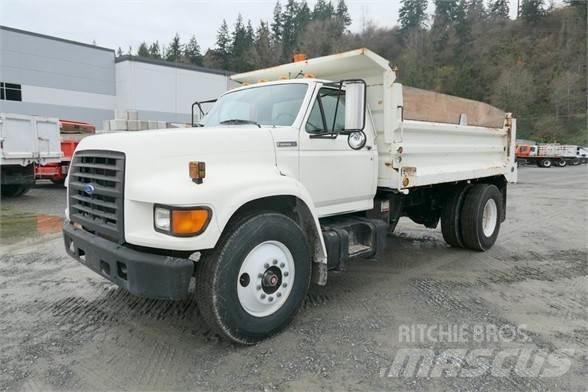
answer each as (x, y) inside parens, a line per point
(197, 171)
(189, 222)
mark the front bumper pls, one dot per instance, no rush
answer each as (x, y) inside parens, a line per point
(142, 274)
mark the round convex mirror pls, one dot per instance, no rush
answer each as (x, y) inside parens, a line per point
(356, 140)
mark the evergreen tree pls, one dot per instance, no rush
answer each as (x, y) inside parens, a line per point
(223, 46)
(174, 51)
(143, 51)
(119, 52)
(289, 29)
(532, 10)
(154, 50)
(498, 9)
(342, 16)
(476, 11)
(241, 46)
(322, 10)
(264, 53)
(192, 53)
(412, 14)
(277, 23)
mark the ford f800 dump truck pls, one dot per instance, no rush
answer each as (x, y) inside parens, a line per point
(304, 167)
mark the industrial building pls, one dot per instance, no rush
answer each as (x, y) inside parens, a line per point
(55, 77)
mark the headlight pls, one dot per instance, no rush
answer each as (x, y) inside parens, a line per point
(162, 218)
(181, 221)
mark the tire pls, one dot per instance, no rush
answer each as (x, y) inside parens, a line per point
(239, 307)
(451, 216)
(562, 163)
(545, 163)
(476, 234)
(14, 190)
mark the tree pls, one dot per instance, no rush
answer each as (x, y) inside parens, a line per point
(192, 53)
(342, 16)
(241, 46)
(322, 10)
(143, 50)
(154, 50)
(498, 9)
(119, 52)
(532, 10)
(174, 51)
(222, 51)
(277, 23)
(264, 52)
(476, 11)
(412, 14)
(514, 91)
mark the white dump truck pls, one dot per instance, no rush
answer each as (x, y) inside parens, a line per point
(25, 141)
(304, 167)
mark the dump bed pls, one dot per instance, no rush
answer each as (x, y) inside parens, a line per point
(28, 139)
(423, 137)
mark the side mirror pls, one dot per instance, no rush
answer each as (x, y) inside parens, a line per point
(355, 105)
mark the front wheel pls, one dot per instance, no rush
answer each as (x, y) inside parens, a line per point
(253, 283)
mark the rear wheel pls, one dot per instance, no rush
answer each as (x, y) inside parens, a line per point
(545, 163)
(562, 163)
(251, 286)
(451, 216)
(14, 190)
(481, 217)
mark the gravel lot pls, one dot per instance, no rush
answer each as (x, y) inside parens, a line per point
(62, 327)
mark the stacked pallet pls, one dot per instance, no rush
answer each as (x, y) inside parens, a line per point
(129, 121)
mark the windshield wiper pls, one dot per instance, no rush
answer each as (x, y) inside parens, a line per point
(236, 121)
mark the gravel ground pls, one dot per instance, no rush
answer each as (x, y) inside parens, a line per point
(62, 327)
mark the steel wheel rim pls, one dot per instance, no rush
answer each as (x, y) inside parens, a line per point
(489, 217)
(265, 278)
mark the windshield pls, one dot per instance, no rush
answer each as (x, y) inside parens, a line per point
(277, 104)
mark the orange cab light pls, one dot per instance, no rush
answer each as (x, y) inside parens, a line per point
(197, 171)
(189, 222)
(296, 57)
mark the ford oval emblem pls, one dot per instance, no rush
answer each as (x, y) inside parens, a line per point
(89, 189)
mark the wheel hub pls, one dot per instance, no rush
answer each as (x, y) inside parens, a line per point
(265, 278)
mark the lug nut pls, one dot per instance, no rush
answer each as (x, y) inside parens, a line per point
(278, 295)
(262, 296)
(258, 287)
(266, 266)
(270, 299)
(285, 273)
(275, 261)
(282, 265)
(285, 285)
(260, 275)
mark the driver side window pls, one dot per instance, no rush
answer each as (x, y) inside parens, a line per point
(326, 111)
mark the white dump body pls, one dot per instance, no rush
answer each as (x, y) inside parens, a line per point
(416, 151)
(557, 150)
(29, 139)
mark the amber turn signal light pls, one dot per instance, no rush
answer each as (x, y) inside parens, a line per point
(186, 222)
(197, 171)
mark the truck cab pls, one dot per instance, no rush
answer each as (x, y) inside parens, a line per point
(302, 169)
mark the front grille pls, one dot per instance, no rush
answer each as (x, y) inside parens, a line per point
(96, 186)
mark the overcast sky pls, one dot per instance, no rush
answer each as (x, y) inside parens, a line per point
(114, 23)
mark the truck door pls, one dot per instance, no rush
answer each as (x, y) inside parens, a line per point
(338, 178)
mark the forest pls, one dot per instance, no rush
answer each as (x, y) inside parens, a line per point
(533, 66)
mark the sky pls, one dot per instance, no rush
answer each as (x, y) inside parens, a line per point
(124, 23)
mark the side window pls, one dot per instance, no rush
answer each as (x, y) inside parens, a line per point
(326, 110)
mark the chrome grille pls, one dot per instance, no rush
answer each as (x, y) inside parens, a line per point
(96, 187)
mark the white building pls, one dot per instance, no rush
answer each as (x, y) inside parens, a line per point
(54, 77)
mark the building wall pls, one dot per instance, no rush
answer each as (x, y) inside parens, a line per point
(58, 78)
(165, 91)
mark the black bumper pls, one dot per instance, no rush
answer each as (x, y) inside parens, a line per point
(142, 274)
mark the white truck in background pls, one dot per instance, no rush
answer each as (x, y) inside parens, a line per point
(306, 166)
(25, 141)
(551, 154)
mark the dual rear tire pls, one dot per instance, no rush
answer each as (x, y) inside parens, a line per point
(472, 216)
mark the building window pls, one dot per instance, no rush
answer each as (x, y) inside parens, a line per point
(10, 91)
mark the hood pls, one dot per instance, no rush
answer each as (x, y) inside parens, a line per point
(183, 141)
(156, 161)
